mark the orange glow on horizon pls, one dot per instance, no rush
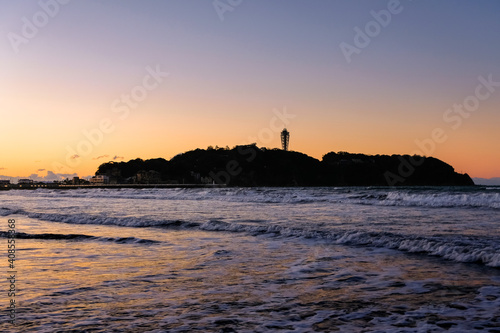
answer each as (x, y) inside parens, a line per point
(66, 108)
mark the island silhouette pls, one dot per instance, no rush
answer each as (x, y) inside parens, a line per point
(249, 165)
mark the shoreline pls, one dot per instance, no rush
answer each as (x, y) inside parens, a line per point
(119, 186)
(61, 186)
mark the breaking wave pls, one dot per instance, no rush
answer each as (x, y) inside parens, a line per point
(442, 200)
(131, 221)
(460, 248)
(467, 197)
(464, 249)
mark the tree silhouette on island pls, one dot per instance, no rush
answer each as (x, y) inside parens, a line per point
(249, 165)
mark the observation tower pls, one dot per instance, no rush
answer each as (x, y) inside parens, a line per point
(285, 139)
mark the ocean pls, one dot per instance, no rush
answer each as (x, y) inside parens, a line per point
(352, 259)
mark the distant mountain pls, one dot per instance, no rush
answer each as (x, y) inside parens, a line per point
(487, 181)
(253, 166)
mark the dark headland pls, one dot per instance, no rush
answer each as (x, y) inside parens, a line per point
(253, 166)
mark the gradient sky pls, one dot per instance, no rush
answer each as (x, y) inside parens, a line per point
(231, 72)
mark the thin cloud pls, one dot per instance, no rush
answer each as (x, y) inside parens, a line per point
(99, 157)
(41, 170)
(116, 157)
(74, 157)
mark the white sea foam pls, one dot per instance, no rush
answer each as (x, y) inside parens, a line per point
(473, 200)
(406, 197)
(456, 249)
(471, 197)
(129, 221)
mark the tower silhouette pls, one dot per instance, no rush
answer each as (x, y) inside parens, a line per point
(285, 139)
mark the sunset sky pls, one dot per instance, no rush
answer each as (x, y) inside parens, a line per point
(84, 82)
